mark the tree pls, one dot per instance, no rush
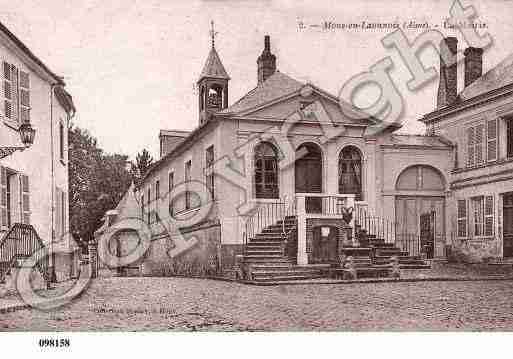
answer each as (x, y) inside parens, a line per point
(97, 182)
(143, 162)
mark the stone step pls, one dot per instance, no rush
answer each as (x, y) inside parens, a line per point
(271, 243)
(263, 247)
(268, 252)
(266, 260)
(278, 279)
(415, 266)
(291, 272)
(269, 236)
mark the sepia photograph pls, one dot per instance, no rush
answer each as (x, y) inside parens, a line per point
(273, 166)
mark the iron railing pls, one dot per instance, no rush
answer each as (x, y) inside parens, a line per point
(268, 214)
(408, 242)
(19, 242)
(382, 228)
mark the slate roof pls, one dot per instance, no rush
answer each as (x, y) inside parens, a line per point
(276, 86)
(501, 75)
(214, 67)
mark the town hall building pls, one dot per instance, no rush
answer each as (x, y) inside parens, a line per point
(293, 175)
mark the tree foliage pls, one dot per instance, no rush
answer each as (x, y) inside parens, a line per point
(143, 161)
(97, 182)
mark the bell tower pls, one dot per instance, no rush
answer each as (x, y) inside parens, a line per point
(212, 84)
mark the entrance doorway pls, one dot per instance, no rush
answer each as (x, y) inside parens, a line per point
(308, 175)
(508, 225)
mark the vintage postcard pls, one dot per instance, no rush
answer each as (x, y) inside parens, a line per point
(245, 166)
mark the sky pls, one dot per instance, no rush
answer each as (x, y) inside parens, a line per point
(131, 65)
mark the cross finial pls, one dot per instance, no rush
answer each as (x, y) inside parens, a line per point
(213, 33)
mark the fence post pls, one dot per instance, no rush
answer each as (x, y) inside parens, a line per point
(93, 257)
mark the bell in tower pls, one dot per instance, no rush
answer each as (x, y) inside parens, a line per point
(212, 84)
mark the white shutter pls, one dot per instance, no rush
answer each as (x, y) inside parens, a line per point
(470, 146)
(15, 93)
(3, 199)
(24, 97)
(491, 140)
(25, 199)
(7, 90)
(479, 140)
(488, 216)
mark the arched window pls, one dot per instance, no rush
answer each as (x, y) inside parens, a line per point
(308, 169)
(350, 172)
(266, 171)
(420, 178)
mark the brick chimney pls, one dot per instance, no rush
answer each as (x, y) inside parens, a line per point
(266, 61)
(473, 64)
(448, 86)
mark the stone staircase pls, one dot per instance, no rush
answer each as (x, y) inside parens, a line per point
(265, 258)
(266, 261)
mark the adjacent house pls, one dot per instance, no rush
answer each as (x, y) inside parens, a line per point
(33, 176)
(479, 121)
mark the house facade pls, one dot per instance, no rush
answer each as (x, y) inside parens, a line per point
(34, 180)
(289, 149)
(479, 122)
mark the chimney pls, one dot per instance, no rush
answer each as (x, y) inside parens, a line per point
(448, 86)
(266, 61)
(473, 64)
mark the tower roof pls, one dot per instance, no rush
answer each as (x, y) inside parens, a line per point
(214, 67)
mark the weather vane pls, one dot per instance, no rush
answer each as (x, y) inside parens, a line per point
(213, 33)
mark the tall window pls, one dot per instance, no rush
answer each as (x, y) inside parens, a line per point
(482, 143)
(157, 190)
(61, 140)
(187, 178)
(209, 169)
(170, 185)
(350, 172)
(482, 207)
(16, 92)
(149, 201)
(266, 171)
(462, 218)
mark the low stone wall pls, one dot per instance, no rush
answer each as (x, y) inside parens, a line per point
(203, 259)
(474, 250)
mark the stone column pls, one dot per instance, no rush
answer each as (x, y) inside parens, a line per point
(302, 256)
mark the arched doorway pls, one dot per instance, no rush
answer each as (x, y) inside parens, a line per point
(266, 171)
(420, 214)
(308, 174)
(350, 172)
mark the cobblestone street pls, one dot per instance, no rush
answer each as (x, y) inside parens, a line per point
(194, 304)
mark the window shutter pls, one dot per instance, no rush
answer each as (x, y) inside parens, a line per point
(24, 97)
(7, 90)
(488, 216)
(15, 93)
(470, 146)
(3, 199)
(63, 213)
(492, 140)
(479, 144)
(25, 199)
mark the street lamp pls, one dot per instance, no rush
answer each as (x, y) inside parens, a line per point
(27, 134)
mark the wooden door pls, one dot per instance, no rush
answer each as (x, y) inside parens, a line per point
(308, 175)
(508, 225)
(325, 244)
